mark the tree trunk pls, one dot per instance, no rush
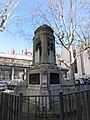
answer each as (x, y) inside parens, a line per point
(72, 73)
(72, 70)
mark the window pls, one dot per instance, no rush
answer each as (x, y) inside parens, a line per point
(54, 78)
(34, 78)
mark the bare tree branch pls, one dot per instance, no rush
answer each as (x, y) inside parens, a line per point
(5, 15)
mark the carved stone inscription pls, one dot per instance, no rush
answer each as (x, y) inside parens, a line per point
(34, 78)
(54, 78)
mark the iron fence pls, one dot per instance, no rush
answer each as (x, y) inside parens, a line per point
(76, 106)
(65, 106)
(10, 106)
(41, 107)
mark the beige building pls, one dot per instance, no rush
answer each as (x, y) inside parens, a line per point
(82, 59)
(13, 65)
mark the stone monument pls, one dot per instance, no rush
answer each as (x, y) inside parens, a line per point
(44, 77)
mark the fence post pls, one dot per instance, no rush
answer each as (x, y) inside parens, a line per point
(88, 102)
(78, 106)
(1, 106)
(20, 108)
(61, 106)
(6, 98)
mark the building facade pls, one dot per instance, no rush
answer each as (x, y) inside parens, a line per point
(81, 59)
(13, 65)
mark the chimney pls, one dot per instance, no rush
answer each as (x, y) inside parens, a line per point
(13, 51)
(22, 51)
(26, 51)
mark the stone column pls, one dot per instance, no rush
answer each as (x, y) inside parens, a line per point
(38, 55)
(24, 74)
(35, 56)
(12, 74)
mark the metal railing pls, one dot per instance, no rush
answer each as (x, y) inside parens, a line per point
(65, 106)
(76, 106)
(10, 106)
(41, 107)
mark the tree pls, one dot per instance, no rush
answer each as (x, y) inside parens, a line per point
(84, 28)
(62, 16)
(85, 38)
(5, 14)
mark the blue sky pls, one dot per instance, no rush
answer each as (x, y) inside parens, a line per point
(19, 31)
(7, 42)
(12, 37)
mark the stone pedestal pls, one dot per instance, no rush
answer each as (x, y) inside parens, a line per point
(47, 82)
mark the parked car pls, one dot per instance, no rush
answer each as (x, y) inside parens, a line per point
(13, 83)
(80, 81)
(87, 80)
(3, 85)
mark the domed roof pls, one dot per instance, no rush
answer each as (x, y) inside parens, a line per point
(44, 26)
